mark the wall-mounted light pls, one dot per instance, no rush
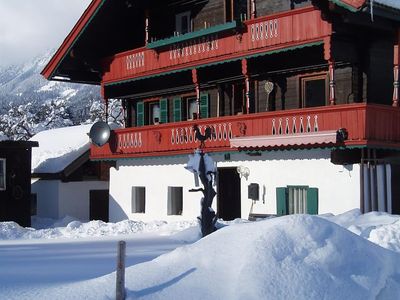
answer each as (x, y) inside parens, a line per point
(243, 172)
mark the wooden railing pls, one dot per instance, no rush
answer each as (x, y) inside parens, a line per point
(268, 33)
(364, 123)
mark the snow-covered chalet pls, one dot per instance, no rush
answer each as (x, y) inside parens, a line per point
(302, 98)
(65, 182)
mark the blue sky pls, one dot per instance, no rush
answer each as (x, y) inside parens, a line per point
(30, 27)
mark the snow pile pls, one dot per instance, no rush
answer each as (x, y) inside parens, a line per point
(59, 147)
(292, 257)
(378, 227)
(75, 229)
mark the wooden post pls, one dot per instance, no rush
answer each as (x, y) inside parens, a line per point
(396, 61)
(120, 278)
(253, 9)
(331, 64)
(195, 80)
(332, 84)
(247, 84)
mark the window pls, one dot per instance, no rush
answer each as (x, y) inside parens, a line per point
(296, 200)
(191, 108)
(175, 200)
(183, 23)
(314, 90)
(186, 108)
(236, 10)
(138, 199)
(150, 113)
(2, 174)
(154, 113)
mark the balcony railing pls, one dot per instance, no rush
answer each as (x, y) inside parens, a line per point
(269, 33)
(365, 124)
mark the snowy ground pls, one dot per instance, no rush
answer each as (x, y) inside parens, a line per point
(292, 257)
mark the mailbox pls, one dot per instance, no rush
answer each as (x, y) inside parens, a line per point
(253, 191)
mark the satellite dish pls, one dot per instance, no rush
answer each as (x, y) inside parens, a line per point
(99, 133)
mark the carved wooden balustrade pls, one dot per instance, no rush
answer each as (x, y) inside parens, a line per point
(365, 124)
(264, 34)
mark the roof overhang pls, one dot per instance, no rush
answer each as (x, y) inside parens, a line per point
(50, 69)
(300, 140)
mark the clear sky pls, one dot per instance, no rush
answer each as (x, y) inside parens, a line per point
(30, 27)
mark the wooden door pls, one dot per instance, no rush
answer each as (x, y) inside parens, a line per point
(228, 205)
(99, 205)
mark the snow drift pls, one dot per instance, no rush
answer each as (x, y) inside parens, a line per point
(71, 228)
(292, 257)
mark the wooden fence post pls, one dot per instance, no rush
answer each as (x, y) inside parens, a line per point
(120, 283)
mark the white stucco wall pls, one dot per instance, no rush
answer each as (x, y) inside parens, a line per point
(56, 199)
(339, 187)
(47, 194)
(74, 198)
(156, 175)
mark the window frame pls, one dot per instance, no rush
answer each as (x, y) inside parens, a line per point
(178, 17)
(3, 172)
(187, 107)
(150, 118)
(135, 208)
(172, 206)
(313, 77)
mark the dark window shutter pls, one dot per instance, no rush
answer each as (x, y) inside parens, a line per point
(177, 109)
(204, 99)
(140, 114)
(281, 201)
(312, 201)
(164, 110)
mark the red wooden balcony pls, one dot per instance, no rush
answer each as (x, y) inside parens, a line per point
(365, 123)
(269, 33)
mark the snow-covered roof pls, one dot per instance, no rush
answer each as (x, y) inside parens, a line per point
(59, 147)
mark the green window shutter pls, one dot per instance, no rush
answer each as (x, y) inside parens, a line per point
(177, 109)
(140, 114)
(164, 110)
(204, 99)
(312, 201)
(281, 201)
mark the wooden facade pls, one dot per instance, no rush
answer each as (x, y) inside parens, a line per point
(243, 68)
(15, 181)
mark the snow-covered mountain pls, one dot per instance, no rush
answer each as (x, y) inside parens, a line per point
(20, 84)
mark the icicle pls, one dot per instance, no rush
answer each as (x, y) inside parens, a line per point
(371, 2)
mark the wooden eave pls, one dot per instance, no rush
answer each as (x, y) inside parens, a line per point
(71, 39)
(18, 144)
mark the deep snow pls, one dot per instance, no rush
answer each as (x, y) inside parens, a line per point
(292, 257)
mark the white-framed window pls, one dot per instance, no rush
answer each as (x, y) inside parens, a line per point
(183, 23)
(191, 108)
(154, 113)
(2, 174)
(175, 200)
(138, 199)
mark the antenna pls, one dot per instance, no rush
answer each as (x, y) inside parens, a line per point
(99, 133)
